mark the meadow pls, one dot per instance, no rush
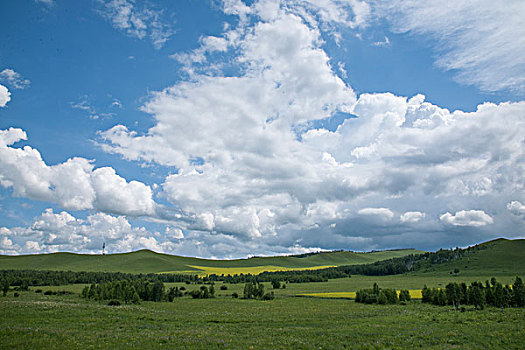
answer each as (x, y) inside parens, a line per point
(66, 321)
(146, 261)
(317, 315)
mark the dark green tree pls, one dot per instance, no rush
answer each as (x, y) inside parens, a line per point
(518, 292)
(157, 291)
(5, 286)
(404, 295)
(476, 296)
(248, 290)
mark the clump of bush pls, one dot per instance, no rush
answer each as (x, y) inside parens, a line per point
(378, 295)
(203, 293)
(114, 303)
(254, 290)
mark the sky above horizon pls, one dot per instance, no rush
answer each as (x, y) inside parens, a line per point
(227, 129)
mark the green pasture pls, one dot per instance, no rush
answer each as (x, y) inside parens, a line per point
(146, 261)
(37, 321)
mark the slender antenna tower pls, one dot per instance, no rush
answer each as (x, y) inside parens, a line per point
(104, 248)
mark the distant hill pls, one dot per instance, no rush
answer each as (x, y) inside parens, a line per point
(499, 257)
(146, 261)
(495, 258)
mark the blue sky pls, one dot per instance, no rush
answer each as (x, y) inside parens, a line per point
(227, 129)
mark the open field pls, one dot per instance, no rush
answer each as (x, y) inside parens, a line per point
(414, 294)
(326, 319)
(340, 285)
(146, 261)
(67, 322)
(202, 271)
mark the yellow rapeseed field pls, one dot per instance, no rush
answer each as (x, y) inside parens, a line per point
(254, 270)
(414, 293)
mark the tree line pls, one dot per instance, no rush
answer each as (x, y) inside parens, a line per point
(135, 291)
(58, 278)
(477, 294)
(381, 296)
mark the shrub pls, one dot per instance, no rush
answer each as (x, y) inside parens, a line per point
(38, 291)
(382, 298)
(235, 295)
(16, 295)
(114, 303)
(268, 296)
(224, 287)
(404, 295)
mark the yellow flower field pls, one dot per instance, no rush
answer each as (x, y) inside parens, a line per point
(414, 294)
(254, 270)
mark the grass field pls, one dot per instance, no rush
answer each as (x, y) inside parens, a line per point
(497, 258)
(36, 321)
(325, 319)
(500, 257)
(146, 261)
(414, 294)
(202, 271)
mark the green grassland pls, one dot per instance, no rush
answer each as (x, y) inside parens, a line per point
(38, 321)
(146, 261)
(500, 257)
(35, 320)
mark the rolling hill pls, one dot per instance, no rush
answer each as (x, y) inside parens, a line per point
(499, 257)
(146, 261)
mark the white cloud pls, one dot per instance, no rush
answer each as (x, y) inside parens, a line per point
(467, 218)
(253, 173)
(251, 166)
(481, 40)
(137, 21)
(412, 216)
(52, 232)
(516, 208)
(14, 79)
(74, 184)
(46, 2)
(385, 42)
(383, 213)
(5, 96)
(174, 232)
(115, 195)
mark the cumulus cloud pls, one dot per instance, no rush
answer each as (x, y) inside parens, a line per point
(516, 208)
(5, 96)
(252, 165)
(74, 184)
(51, 232)
(481, 40)
(14, 79)
(137, 20)
(62, 231)
(467, 218)
(174, 232)
(412, 216)
(252, 169)
(383, 213)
